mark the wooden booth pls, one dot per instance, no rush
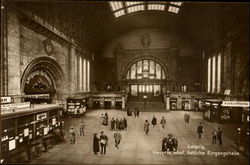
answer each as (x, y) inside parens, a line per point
(212, 109)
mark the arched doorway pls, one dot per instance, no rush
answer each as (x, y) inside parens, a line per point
(146, 77)
(42, 81)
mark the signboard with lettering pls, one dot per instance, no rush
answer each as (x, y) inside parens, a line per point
(5, 100)
(41, 116)
(14, 107)
(39, 82)
(235, 104)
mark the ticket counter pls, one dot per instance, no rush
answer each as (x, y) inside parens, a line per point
(21, 130)
(212, 109)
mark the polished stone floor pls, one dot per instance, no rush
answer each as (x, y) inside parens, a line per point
(138, 148)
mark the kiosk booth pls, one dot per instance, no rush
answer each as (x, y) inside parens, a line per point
(76, 106)
(173, 103)
(212, 109)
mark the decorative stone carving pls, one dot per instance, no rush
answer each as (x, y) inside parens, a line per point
(146, 40)
(48, 46)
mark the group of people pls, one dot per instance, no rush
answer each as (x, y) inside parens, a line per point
(72, 132)
(119, 125)
(169, 143)
(154, 123)
(216, 134)
(136, 112)
(102, 142)
(105, 119)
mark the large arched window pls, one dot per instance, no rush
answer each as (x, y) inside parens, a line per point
(146, 69)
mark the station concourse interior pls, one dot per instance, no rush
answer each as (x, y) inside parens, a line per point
(64, 63)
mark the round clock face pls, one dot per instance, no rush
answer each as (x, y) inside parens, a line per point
(48, 46)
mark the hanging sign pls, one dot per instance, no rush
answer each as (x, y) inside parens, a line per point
(235, 104)
(5, 100)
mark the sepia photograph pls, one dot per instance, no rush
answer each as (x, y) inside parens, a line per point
(124, 82)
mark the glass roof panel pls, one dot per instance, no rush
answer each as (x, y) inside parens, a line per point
(176, 3)
(133, 3)
(156, 7)
(119, 13)
(173, 9)
(116, 5)
(136, 8)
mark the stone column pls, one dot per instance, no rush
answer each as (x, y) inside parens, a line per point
(179, 102)
(113, 102)
(102, 102)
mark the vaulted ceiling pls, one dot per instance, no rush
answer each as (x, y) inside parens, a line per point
(92, 23)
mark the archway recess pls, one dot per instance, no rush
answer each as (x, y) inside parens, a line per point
(44, 75)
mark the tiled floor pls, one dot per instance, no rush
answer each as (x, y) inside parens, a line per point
(138, 148)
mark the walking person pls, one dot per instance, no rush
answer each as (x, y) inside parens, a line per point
(96, 147)
(104, 142)
(219, 134)
(163, 122)
(117, 137)
(112, 123)
(154, 121)
(82, 128)
(146, 127)
(122, 124)
(200, 130)
(214, 136)
(72, 135)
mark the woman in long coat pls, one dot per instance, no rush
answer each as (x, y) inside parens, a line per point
(117, 124)
(72, 135)
(96, 147)
(122, 124)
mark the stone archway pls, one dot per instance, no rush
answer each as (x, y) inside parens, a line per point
(53, 69)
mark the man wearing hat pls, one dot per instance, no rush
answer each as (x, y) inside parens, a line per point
(104, 142)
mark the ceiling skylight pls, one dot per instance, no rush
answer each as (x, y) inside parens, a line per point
(173, 9)
(120, 8)
(156, 7)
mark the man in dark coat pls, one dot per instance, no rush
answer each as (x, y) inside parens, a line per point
(96, 147)
(138, 113)
(125, 123)
(154, 121)
(200, 130)
(219, 133)
(112, 123)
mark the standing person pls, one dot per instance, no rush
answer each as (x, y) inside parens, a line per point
(125, 123)
(138, 113)
(135, 112)
(117, 137)
(106, 118)
(104, 142)
(214, 136)
(96, 147)
(200, 130)
(117, 124)
(185, 117)
(102, 119)
(146, 127)
(112, 123)
(72, 135)
(219, 134)
(188, 118)
(163, 122)
(154, 121)
(82, 128)
(122, 124)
